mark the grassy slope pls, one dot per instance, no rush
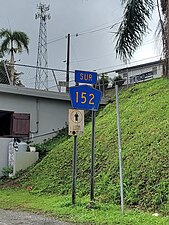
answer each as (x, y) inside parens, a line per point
(144, 112)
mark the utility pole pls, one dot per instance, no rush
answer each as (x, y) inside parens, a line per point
(41, 81)
(67, 63)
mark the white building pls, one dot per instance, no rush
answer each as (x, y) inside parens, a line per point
(142, 72)
(29, 114)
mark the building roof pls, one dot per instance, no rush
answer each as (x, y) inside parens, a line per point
(19, 90)
(139, 66)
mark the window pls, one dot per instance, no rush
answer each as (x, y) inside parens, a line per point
(14, 124)
(154, 70)
(20, 124)
(125, 75)
(131, 80)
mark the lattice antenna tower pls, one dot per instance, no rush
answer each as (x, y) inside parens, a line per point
(41, 81)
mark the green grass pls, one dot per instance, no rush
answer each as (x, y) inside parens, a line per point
(144, 114)
(61, 208)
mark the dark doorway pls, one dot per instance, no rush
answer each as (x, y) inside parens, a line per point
(5, 122)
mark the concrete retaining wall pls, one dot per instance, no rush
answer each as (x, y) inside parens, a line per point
(24, 159)
(4, 143)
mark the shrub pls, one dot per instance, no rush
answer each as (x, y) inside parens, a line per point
(7, 170)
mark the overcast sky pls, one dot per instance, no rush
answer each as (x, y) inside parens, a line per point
(92, 49)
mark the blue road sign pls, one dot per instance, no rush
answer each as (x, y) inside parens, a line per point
(85, 77)
(85, 97)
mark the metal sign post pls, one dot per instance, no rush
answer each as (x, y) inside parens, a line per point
(120, 151)
(87, 98)
(76, 127)
(93, 158)
(74, 171)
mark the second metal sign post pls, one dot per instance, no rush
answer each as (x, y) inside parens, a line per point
(87, 98)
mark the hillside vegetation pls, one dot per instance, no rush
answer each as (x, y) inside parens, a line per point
(144, 113)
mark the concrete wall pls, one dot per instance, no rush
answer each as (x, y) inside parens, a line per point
(24, 159)
(46, 115)
(4, 143)
(48, 110)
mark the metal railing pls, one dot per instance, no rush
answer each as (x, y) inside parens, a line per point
(56, 78)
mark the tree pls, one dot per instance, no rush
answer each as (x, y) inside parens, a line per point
(3, 73)
(117, 80)
(5, 70)
(134, 25)
(103, 82)
(12, 43)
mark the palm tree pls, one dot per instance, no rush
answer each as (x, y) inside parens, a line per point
(12, 43)
(135, 24)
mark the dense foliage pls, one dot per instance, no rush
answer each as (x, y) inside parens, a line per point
(144, 111)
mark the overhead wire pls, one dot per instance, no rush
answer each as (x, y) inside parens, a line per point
(85, 32)
(106, 55)
(88, 31)
(63, 70)
(94, 30)
(113, 68)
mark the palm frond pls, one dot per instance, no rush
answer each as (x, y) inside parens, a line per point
(5, 45)
(21, 39)
(5, 33)
(133, 26)
(13, 42)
